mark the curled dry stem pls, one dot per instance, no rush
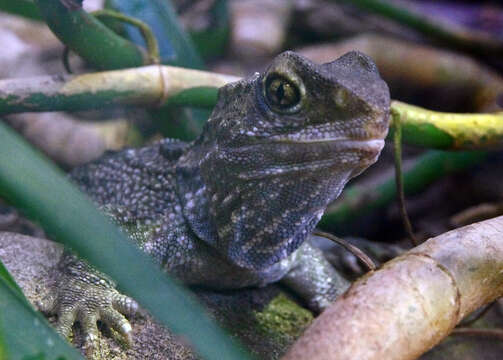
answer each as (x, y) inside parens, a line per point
(364, 258)
(493, 333)
(146, 32)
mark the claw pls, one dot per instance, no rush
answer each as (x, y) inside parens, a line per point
(118, 322)
(91, 345)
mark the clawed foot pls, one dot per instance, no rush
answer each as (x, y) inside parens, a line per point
(87, 299)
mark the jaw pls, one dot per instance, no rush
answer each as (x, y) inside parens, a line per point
(283, 158)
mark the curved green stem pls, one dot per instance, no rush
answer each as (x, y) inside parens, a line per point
(148, 35)
(86, 36)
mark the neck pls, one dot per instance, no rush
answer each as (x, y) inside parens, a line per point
(253, 222)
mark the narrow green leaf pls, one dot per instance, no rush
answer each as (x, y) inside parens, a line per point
(26, 334)
(211, 41)
(9, 281)
(31, 183)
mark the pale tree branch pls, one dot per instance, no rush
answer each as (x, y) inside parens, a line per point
(413, 301)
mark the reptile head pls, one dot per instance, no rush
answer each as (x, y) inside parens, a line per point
(281, 145)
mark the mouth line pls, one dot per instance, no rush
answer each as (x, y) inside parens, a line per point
(371, 143)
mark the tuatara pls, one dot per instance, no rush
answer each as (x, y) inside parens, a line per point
(236, 207)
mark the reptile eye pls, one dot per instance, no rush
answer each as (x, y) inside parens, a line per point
(281, 93)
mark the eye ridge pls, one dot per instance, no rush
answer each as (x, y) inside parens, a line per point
(281, 92)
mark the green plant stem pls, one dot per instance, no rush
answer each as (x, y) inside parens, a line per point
(451, 34)
(397, 146)
(34, 185)
(86, 36)
(357, 201)
(148, 86)
(433, 129)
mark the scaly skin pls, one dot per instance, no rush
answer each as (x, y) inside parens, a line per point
(236, 207)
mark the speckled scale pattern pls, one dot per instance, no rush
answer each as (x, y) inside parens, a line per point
(136, 188)
(141, 180)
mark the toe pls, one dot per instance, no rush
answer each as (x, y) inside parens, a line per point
(124, 304)
(66, 318)
(118, 322)
(91, 333)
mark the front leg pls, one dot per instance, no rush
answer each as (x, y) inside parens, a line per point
(86, 295)
(313, 278)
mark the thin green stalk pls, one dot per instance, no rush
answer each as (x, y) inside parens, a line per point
(146, 32)
(176, 47)
(397, 146)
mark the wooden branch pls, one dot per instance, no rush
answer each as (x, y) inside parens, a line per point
(413, 301)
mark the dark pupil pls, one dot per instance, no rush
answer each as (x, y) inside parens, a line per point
(282, 93)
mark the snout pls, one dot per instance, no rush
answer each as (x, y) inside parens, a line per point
(378, 127)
